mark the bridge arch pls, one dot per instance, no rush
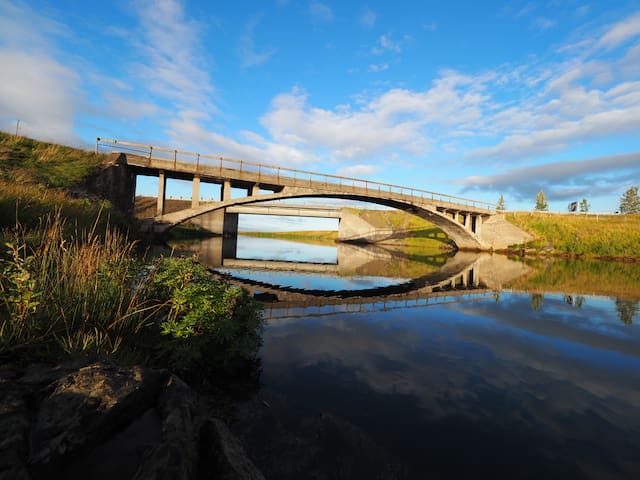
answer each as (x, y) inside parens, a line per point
(464, 236)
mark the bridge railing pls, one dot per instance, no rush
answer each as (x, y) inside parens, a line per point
(181, 157)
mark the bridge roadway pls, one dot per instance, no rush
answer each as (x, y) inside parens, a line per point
(460, 218)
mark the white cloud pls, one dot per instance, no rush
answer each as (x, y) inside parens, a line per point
(246, 48)
(26, 29)
(544, 23)
(41, 93)
(621, 32)
(394, 119)
(36, 88)
(430, 26)
(320, 12)
(173, 67)
(187, 130)
(378, 67)
(386, 43)
(368, 18)
(359, 171)
(561, 180)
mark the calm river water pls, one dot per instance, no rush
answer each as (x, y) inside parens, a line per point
(382, 365)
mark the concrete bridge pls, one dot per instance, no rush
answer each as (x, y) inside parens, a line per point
(469, 223)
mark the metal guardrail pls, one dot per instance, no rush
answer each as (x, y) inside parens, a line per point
(197, 159)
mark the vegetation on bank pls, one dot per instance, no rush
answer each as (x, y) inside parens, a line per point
(89, 294)
(72, 283)
(36, 179)
(313, 237)
(576, 235)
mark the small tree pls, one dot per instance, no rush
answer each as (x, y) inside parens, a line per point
(541, 201)
(630, 201)
(500, 205)
(584, 205)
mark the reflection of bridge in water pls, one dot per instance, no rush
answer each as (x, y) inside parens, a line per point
(466, 277)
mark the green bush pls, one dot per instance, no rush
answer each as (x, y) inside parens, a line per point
(204, 322)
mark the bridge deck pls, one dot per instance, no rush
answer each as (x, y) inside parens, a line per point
(269, 177)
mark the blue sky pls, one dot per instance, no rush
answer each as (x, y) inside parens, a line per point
(467, 98)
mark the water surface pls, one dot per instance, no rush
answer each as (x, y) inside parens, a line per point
(486, 367)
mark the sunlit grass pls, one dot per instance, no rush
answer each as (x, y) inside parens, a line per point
(24, 160)
(70, 294)
(582, 235)
(312, 237)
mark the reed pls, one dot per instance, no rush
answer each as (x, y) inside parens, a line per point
(69, 295)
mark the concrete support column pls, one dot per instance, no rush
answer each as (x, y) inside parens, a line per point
(195, 192)
(162, 187)
(478, 225)
(465, 279)
(230, 227)
(255, 190)
(467, 221)
(455, 215)
(229, 248)
(226, 190)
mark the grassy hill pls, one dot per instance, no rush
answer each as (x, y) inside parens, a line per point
(38, 178)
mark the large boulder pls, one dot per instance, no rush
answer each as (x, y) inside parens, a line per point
(111, 421)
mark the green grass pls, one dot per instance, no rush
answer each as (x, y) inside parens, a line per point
(36, 178)
(591, 236)
(27, 161)
(313, 237)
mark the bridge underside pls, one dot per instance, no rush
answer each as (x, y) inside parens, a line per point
(464, 228)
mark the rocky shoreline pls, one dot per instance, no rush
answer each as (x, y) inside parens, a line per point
(102, 421)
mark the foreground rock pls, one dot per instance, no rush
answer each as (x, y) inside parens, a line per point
(102, 421)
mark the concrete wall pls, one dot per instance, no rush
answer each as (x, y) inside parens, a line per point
(116, 183)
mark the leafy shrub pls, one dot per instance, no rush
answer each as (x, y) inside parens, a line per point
(204, 322)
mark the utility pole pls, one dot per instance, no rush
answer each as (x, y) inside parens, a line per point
(17, 127)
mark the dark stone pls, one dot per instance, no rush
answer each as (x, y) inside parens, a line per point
(113, 422)
(84, 408)
(222, 453)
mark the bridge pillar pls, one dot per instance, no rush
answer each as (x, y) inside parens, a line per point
(477, 224)
(225, 191)
(162, 187)
(195, 192)
(467, 221)
(255, 190)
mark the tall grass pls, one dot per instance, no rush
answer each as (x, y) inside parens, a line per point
(582, 235)
(70, 295)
